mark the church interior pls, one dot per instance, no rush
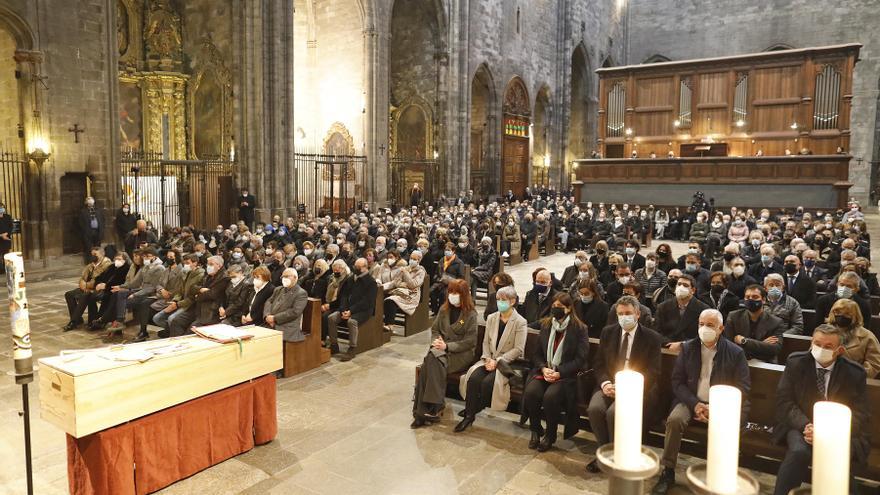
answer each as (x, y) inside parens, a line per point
(429, 246)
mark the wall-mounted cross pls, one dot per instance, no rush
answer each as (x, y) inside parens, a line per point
(76, 132)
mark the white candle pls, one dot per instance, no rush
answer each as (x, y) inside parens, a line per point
(832, 426)
(628, 388)
(722, 461)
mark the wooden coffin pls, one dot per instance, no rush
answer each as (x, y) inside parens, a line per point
(89, 391)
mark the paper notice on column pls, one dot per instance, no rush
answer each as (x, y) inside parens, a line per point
(224, 334)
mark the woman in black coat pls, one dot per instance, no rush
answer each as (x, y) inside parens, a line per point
(552, 387)
(590, 308)
(262, 291)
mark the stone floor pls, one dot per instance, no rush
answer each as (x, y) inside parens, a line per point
(343, 428)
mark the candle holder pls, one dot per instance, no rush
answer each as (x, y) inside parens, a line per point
(696, 475)
(622, 481)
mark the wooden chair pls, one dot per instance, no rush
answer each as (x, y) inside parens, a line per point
(793, 343)
(420, 320)
(371, 334)
(300, 357)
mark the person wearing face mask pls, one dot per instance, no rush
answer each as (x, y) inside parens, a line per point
(453, 339)
(823, 373)
(817, 274)
(183, 297)
(631, 255)
(589, 306)
(863, 269)
(465, 252)
(600, 259)
(766, 265)
(263, 289)
(356, 304)
(693, 249)
(705, 360)
(739, 277)
(757, 331)
(731, 251)
(700, 229)
(848, 286)
(124, 222)
(738, 232)
(484, 264)
(719, 296)
(570, 275)
(538, 300)
(624, 344)
(632, 289)
(207, 300)
(797, 284)
(449, 268)
(316, 280)
(91, 227)
(693, 268)
(85, 296)
(404, 291)
(667, 291)
(247, 204)
(145, 274)
(511, 240)
(677, 318)
(238, 295)
(504, 340)
(622, 276)
(275, 264)
(665, 261)
(498, 281)
(650, 277)
(114, 276)
(284, 308)
(551, 387)
(860, 344)
(783, 306)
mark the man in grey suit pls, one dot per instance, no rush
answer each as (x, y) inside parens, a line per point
(283, 311)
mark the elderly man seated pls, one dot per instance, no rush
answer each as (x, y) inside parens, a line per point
(208, 299)
(704, 361)
(356, 304)
(283, 311)
(86, 296)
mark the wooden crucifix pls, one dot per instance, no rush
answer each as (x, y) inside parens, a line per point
(76, 132)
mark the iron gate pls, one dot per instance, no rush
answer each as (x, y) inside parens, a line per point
(405, 172)
(12, 190)
(172, 193)
(332, 185)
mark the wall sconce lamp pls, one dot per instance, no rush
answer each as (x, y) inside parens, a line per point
(676, 123)
(740, 123)
(38, 151)
(628, 131)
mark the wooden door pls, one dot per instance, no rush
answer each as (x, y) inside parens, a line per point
(515, 172)
(73, 195)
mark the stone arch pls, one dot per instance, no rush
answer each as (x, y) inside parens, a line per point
(483, 118)
(542, 118)
(776, 47)
(582, 105)
(412, 136)
(517, 129)
(17, 28)
(656, 58)
(209, 104)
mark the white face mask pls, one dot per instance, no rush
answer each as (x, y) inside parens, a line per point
(286, 282)
(307, 252)
(707, 334)
(455, 299)
(259, 283)
(119, 263)
(624, 280)
(738, 270)
(821, 355)
(627, 322)
(211, 269)
(682, 292)
(650, 264)
(236, 280)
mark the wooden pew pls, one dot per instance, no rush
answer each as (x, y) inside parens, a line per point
(793, 343)
(550, 242)
(534, 251)
(300, 357)
(371, 334)
(811, 321)
(420, 320)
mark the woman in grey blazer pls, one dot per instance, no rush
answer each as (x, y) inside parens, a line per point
(505, 340)
(453, 339)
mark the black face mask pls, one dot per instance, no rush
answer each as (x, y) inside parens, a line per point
(729, 257)
(600, 252)
(94, 259)
(558, 313)
(662, 254)
(843, 321)
(753, 305)
(672, 282)
(791, 268)
(717, 289)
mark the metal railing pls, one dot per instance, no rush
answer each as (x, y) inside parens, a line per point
(12, 189)
(405, 172)
(332, 185)
(172, 193)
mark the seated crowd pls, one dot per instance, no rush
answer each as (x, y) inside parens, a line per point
(744, 282)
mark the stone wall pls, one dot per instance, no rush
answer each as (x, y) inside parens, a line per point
(9, 109)
(684, 29)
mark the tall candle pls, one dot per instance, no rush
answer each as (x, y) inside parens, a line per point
(18, 316)
(722, 461)
(628, 387)
(832, 426)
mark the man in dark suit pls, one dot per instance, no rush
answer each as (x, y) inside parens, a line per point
(623, 345)
(798, 284)
(622, 276)
(569, 276)
(246, 205)
(817, 274)
(356, 306)
(206, 301)
(758, 332)
(677, 318)
(631, 255)
(848, 285)
(539, 299)
(809, 377)
(691, 382)
(766, 265)
(91, 227)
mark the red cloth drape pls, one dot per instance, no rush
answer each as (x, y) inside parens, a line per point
(150, 453)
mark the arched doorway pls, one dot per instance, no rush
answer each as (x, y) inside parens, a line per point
(483, 132)
(517, 131)
(541, 158)
(581, 127)
(416, 64)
